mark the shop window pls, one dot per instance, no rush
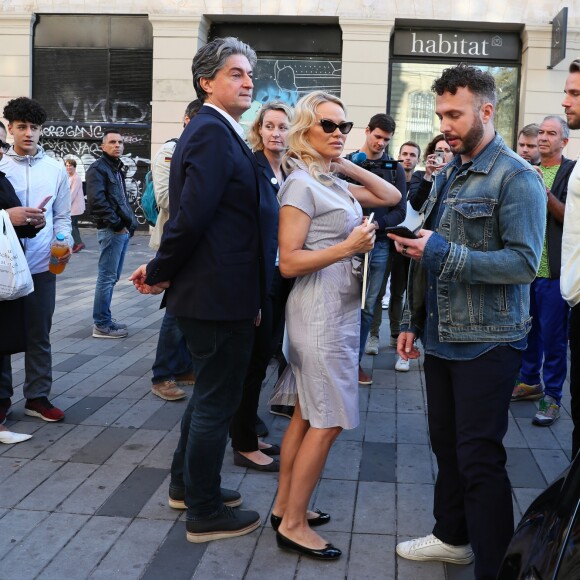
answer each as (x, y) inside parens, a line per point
(412, 103)
(420, 121)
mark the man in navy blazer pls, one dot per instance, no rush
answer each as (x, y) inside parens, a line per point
(209, 261)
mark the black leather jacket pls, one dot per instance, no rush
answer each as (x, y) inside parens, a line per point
(107, 197)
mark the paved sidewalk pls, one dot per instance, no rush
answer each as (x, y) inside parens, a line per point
(87, 497)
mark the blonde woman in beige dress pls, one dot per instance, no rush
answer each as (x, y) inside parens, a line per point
(321, 229)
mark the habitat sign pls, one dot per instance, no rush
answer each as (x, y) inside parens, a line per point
(458, 45)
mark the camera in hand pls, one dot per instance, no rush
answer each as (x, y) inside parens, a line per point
(373, 165)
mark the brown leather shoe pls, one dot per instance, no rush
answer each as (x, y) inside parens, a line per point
(185, 380)
(168, 390)
(363, 378)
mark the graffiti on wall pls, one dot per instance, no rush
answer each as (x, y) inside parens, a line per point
(82, 142)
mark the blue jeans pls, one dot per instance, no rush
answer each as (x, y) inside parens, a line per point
(221, 352)
(113, 249)
(172, 357)
(548, 338)
(39, 308)
(377, 267)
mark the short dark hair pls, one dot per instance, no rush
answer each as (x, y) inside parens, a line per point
(383, 122)
(193, 108)
(530, 130)
(574, 66)
(25, 109)
(480, 83)
(70, 162)
(211, 58)
(108, 132)
(411, 144)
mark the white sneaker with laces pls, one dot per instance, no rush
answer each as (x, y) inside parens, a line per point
(430, 548)
(402, 365)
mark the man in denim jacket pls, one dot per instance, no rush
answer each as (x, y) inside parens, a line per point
(469, 303)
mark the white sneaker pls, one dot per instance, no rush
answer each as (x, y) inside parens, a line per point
(402, 365)
(372, 346)
(430, 548)
(9, 438)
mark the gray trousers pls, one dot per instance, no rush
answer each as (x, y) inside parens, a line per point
(38, 358)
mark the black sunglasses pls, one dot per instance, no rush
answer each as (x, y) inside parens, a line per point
(4, 146)
(330, 126)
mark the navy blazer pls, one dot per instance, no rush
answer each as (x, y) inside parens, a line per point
(269, 216)
(210, 248)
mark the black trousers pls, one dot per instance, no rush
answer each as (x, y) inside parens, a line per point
(243, 425)
(575, 376)
(468, 417)
(221, 351)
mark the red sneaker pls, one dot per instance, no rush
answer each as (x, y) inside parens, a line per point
(363, 378)
(42, 409)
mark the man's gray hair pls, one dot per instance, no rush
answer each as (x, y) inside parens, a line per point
(563, 125)
(211, 58)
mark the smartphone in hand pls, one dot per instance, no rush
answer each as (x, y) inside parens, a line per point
(401, 231)
(44, 201)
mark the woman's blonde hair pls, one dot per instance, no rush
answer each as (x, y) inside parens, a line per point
(299, 148)
(254, 137)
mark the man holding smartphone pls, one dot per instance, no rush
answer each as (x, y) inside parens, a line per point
(378, 135)
(468, 300)
(39, 180)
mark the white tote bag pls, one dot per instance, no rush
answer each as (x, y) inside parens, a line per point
(15, 277)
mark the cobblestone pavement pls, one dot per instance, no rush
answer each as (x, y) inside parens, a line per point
(87, 497)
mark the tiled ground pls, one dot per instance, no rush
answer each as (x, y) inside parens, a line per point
(87, 498)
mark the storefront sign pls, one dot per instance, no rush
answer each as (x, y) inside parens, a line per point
(458, 45)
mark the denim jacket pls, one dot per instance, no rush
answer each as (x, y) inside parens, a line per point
(485, 250)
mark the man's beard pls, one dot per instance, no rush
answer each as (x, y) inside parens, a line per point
(573, 124)
(471, 139)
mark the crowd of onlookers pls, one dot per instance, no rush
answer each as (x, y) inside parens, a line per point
(263, 242)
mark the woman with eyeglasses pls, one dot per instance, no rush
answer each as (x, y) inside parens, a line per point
(321, 229)
(437, 155)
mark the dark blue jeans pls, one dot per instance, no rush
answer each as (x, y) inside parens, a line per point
(547, 351)
(221, 352)
(378, 259)
(172, 357)
(467, 404)
(113, 248)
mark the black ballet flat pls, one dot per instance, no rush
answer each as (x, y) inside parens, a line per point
(271, 451)
(322, 519)
(329, 552)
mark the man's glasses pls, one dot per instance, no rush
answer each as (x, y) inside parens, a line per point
(330, 126)
(4, 146)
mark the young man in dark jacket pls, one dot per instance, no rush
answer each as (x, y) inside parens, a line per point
(116, 223)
